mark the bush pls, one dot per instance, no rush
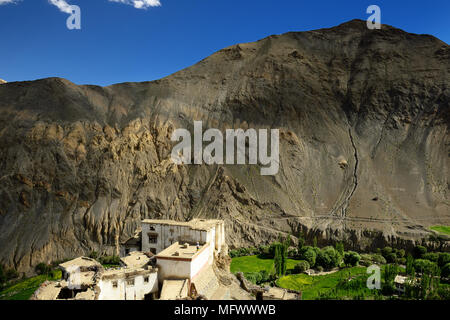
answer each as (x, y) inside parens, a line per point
(386, 251)
(328, 258)
(42, 268)
(301, 266)
(113, 260)
(11, 274)
(258, 277)
(241, 252)
(292, 252)
(253, 277)
(391, 257)
(93, 254)
(431, 256)
(445, 271)
(419, 251)
(401, 253)
(308, 254)
(351, 258)
(7, 274)
(378, 259)
(365, 262)
(366, 259)
(424, 266)
(389, 254)
(444, 258)
(264, 252)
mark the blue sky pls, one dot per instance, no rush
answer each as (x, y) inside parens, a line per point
(118, 42)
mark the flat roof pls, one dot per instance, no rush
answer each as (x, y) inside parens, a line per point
(196, 224)
(126, 272)
(80, 262)
(48, 290)
(400, 279)
(135, 259)
(181, 251)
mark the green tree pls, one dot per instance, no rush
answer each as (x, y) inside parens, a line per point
(328, 258)
(390, 272)
(445, 271)
(301, 241)
(272, 248)
(277, 261)
(280, 255)
(309, 254)
(444, 258)
(301, 266)
(351, 258)
(431, 256)
(42, 268)
(425, 266)
(386, 251)
(401, 253)
(419, 251)
(378, 259)
(429, 282)
(340, 248)
(409, 265)
(391, 257)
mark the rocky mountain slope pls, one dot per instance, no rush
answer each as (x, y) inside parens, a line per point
(364, 146)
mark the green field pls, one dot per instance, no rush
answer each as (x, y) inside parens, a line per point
(256, 264)
(441, 229)
(312, 286)
(24, 289)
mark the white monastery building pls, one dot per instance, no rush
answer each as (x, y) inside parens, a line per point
(157, 235)
(174, 258)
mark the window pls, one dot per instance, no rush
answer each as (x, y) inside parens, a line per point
(114, 284)
(152, 228)
(145, 279)
(152, 238)
(130, 282)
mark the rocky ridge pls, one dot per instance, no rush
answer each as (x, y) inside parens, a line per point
(364, 147)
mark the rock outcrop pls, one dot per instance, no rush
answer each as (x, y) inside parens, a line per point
(364, 147)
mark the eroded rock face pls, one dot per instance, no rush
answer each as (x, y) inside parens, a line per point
(364, 147)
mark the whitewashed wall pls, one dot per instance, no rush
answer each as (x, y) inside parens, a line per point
(204, 258)
(173, 269)
(169, 234)
(181, 269)
(127, 292)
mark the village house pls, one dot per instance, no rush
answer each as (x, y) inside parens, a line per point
(174, 258)
(129, 284)
(157, 235)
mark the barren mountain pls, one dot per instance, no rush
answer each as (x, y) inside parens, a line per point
(364, 121)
